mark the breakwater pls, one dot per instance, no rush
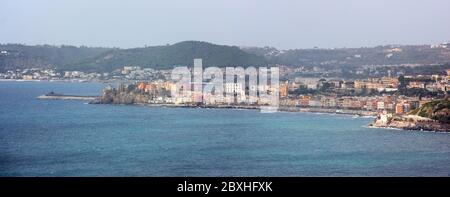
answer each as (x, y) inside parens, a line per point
(52, 95)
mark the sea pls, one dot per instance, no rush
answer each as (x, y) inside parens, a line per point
(70, 138)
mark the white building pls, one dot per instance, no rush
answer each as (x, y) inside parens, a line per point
(380, 105)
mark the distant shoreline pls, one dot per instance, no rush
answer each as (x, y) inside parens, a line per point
(405, 129)
(360, 113)
(70, 81)
(411, 123)
(92, 100)
(53, 80)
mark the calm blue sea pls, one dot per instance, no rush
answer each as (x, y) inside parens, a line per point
(72, 138)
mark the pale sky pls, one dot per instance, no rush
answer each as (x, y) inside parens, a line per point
(284, 24)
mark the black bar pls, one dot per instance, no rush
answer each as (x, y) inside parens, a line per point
(279, 185)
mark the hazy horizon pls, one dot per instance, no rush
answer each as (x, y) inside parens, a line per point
(242, 46)
(281, 24)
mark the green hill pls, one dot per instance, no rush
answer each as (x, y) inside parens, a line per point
(95, 59)
(19, 56)
(438, 110)
(166, 57)
(108, 59)
(379, 55)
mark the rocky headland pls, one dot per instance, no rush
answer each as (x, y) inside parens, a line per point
(431, 116)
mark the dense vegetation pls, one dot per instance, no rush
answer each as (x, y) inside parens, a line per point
(438, 110)
(44, 56)
(107, 59)
(164, 57)
(183, 53)
(380, 55)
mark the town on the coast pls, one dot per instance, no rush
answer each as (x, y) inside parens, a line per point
(409, 96)
(394, 100)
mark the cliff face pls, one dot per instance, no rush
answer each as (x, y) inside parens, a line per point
(123, 95)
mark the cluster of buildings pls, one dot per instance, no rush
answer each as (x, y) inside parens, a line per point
(138, 73)
(445, 45)
(388, 84)
(82, 75)
(389, 103)
(432, 83)
(127, 73)
(386, 97)
(48, 75)
(161, 91)
(329, 93)
(384, 84)
(31, 74)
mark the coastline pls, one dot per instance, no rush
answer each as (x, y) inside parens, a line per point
(410, 123)
(51, 80)
(402, 123)
(397, 125)
(423, 126)
(68, 80)
(360, 113)
(406, 129)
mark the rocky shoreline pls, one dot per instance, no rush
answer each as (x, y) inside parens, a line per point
(410, 122)
(407, 122)
(253, 107)
(430, 116)
(129, 96)
(385, 120)
(399, 122)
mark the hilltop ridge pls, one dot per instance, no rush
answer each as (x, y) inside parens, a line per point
(97, 59)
